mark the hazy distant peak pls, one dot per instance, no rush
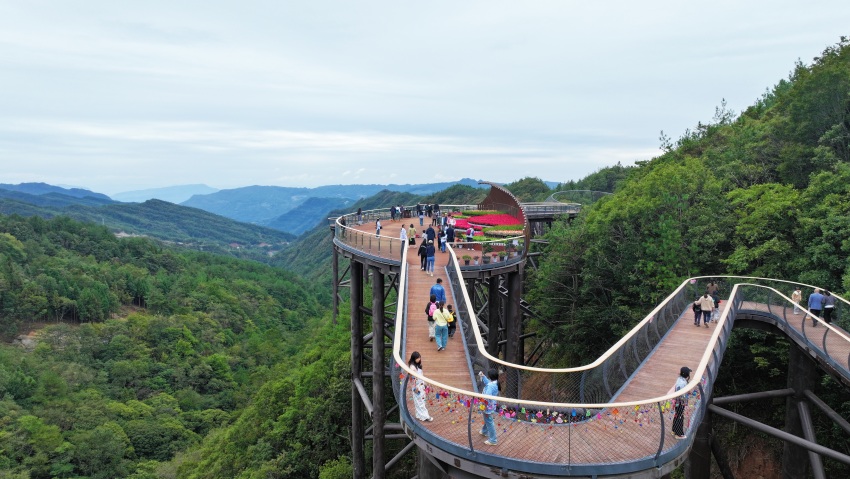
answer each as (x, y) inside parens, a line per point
(172, 194)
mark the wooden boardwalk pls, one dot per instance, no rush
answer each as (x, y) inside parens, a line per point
(684, 345)
(637, 431)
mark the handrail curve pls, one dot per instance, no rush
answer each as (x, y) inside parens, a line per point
(698, 372)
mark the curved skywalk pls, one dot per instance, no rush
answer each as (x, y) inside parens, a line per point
(611, 417)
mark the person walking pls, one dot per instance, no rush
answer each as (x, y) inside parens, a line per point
(359, 216)
(815, 305)
(441, 326)
(438, 291)
(443, 241)
(706, 305)
(470, 234)
(796, 297)
(378, 227)
(418, 388)
(491, 388)
(430, 234)
(697, 312)
(429, 310)
(429, 258)
(411, 235)
(680, 403)
(423, 252)
(403, 235)
(452, 319)
(828, 306)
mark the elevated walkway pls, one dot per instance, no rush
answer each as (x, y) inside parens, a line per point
(610, 418)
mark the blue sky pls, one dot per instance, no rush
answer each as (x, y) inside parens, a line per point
(118, 96)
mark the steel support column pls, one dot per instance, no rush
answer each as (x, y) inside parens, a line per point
(335, 265)
(379, 459)
(429, 468)
(494, 318)
(698, 465)
(513, 331)
(802, 373)
(358, 455)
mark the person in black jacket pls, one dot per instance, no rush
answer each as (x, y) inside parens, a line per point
(422, 252)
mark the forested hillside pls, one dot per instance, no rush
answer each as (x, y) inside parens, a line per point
(140, 351)
(761, 193)
(154, 363)
(190, 228)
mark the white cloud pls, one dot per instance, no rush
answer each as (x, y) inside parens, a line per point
(120, 96)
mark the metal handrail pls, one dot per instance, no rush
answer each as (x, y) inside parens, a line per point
(618, 362)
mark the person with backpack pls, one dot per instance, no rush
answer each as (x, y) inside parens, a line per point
(429, 310)
(452, 319)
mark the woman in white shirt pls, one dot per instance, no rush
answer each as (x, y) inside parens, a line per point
(418, 388)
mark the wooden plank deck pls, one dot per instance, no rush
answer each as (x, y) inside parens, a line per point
(636, 432)
(683, 345)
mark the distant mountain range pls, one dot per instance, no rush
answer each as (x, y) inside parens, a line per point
(163, 220)
(269, 205)
(285, 209)
(39, 189)
(174, 194)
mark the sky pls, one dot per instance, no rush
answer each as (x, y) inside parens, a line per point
(116, 96)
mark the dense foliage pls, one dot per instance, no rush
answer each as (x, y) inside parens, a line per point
(154, 363)
(763, 193)
(141, 351)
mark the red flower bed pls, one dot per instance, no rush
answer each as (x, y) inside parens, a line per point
(495, 220)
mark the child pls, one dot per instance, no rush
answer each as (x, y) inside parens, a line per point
(697, 312)
(452, 321)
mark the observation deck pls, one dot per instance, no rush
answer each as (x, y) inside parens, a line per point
(610, 418)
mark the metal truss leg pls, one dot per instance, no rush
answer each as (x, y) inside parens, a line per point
(802, 374)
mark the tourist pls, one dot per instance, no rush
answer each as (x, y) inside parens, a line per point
(491, 388)
(429, 310)
(441, 326)
(403, 235)
(452, 319)
(706, 305)
(828, 306)
(430, 234)
(796, 297)
(815, 305)
(697, 312)
(359, 216)
(378, 227)
(422, 253)
(429, 258)
(438, 291)
(411, 235)
(680, 402)
(418, 388)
